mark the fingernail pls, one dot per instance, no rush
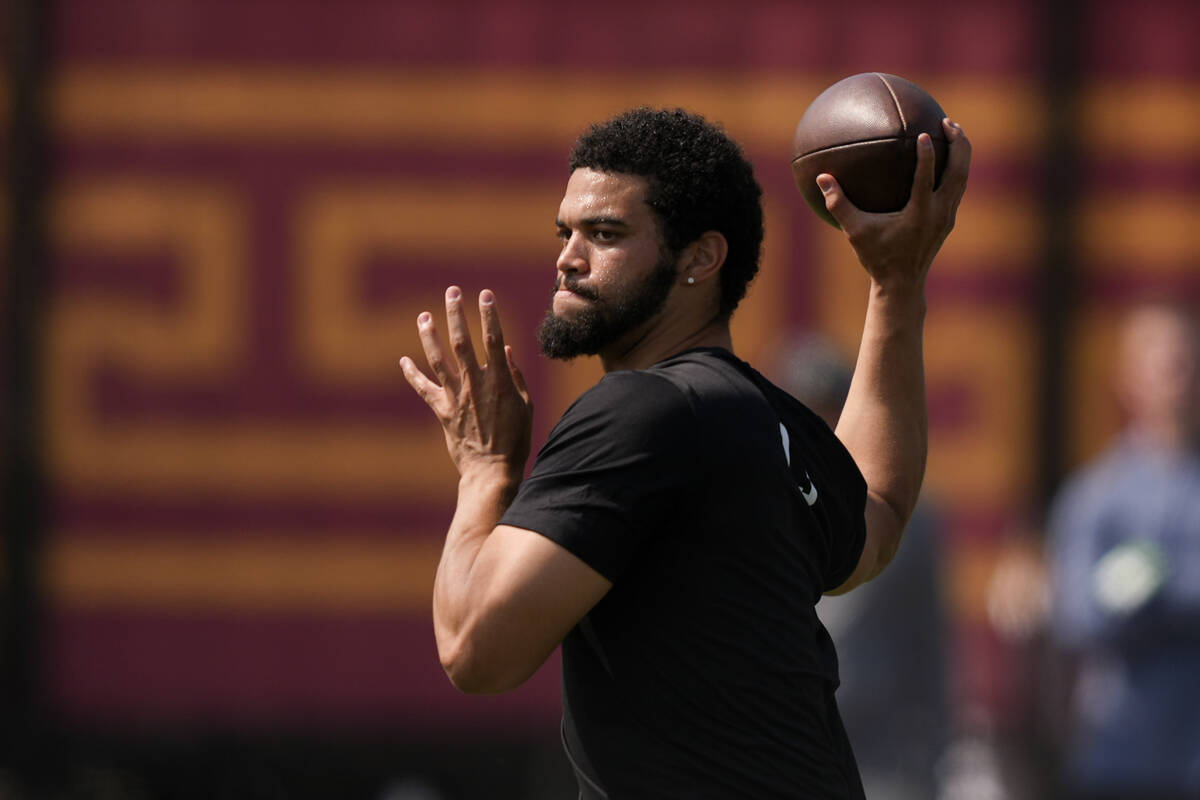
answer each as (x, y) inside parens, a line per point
(424, 318)
(824, 184)
(486, 297)
(453, 293)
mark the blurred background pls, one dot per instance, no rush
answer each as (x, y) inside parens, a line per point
(222, 505)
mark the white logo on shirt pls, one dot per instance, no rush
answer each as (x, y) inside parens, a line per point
(810, 494)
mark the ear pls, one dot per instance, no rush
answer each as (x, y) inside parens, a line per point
(702, 259)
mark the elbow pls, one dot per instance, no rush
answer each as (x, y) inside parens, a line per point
(886, 545)
(874, 560)
(885, 525)
(886, 551)
(467, 671)
(474, 670)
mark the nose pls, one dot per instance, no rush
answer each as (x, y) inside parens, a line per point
(572, 260)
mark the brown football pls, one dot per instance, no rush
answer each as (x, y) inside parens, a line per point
(863, 131)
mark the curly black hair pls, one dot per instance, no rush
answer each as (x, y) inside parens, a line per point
(699, 180)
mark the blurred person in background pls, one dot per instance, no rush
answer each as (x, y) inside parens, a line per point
(1124, 568)
(890, 633)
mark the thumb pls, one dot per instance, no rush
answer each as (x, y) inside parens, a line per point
(839, 206)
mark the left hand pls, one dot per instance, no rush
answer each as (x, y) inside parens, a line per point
(898, 248)
(485, 410)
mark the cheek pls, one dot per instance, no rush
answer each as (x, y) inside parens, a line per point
(607, 270)
(616, 268)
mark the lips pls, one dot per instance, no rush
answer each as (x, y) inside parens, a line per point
(573, 287)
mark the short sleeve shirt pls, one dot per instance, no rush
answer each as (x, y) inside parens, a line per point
(721, 509)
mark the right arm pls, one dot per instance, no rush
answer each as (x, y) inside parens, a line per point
(884, 423)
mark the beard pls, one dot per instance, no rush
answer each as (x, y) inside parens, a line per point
(604, 320)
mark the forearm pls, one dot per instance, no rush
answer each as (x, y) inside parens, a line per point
(884, 423)
(483, 497)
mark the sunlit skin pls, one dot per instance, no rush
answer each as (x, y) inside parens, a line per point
(611, 239)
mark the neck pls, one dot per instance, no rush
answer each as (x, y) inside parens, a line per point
(646, 347)
(1167, 436)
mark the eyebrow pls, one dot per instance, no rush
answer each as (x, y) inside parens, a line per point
(593, 221)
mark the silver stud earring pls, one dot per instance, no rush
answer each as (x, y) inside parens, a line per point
(691, 281)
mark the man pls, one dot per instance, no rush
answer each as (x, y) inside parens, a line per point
(1125, 575)
(685, 515)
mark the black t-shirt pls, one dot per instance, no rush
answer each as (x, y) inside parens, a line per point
(704, 672)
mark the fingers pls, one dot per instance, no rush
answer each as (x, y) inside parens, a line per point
(958, 163)
(426, 389)
(453, 373)
(435, 354)
(923, 176)
(493, 336)
(460, 334)
(843, 211)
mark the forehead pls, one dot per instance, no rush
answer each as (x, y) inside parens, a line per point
(594, 195)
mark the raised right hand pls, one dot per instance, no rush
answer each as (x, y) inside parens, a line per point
(897, 248)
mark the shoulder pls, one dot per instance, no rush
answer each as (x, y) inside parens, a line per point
(630, 396)
(635, 410)
(650, 387)
(716, 384)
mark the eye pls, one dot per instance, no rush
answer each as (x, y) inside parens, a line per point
(604, 236)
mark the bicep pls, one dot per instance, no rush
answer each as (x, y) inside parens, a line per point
(884, 527)
(532, 593)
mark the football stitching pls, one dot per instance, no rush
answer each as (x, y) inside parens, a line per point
(896, 100)
(830, 147)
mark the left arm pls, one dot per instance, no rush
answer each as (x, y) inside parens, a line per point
(504, 597)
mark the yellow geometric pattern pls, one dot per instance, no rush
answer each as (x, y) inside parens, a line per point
(984, 348)
(467, 108)
(354, 573)
(202, 339)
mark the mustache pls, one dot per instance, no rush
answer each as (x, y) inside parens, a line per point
(573, 285)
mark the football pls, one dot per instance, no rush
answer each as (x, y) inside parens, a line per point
(863, 131)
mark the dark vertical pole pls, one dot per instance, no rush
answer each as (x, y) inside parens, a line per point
(1057, 279)
(20, 471)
